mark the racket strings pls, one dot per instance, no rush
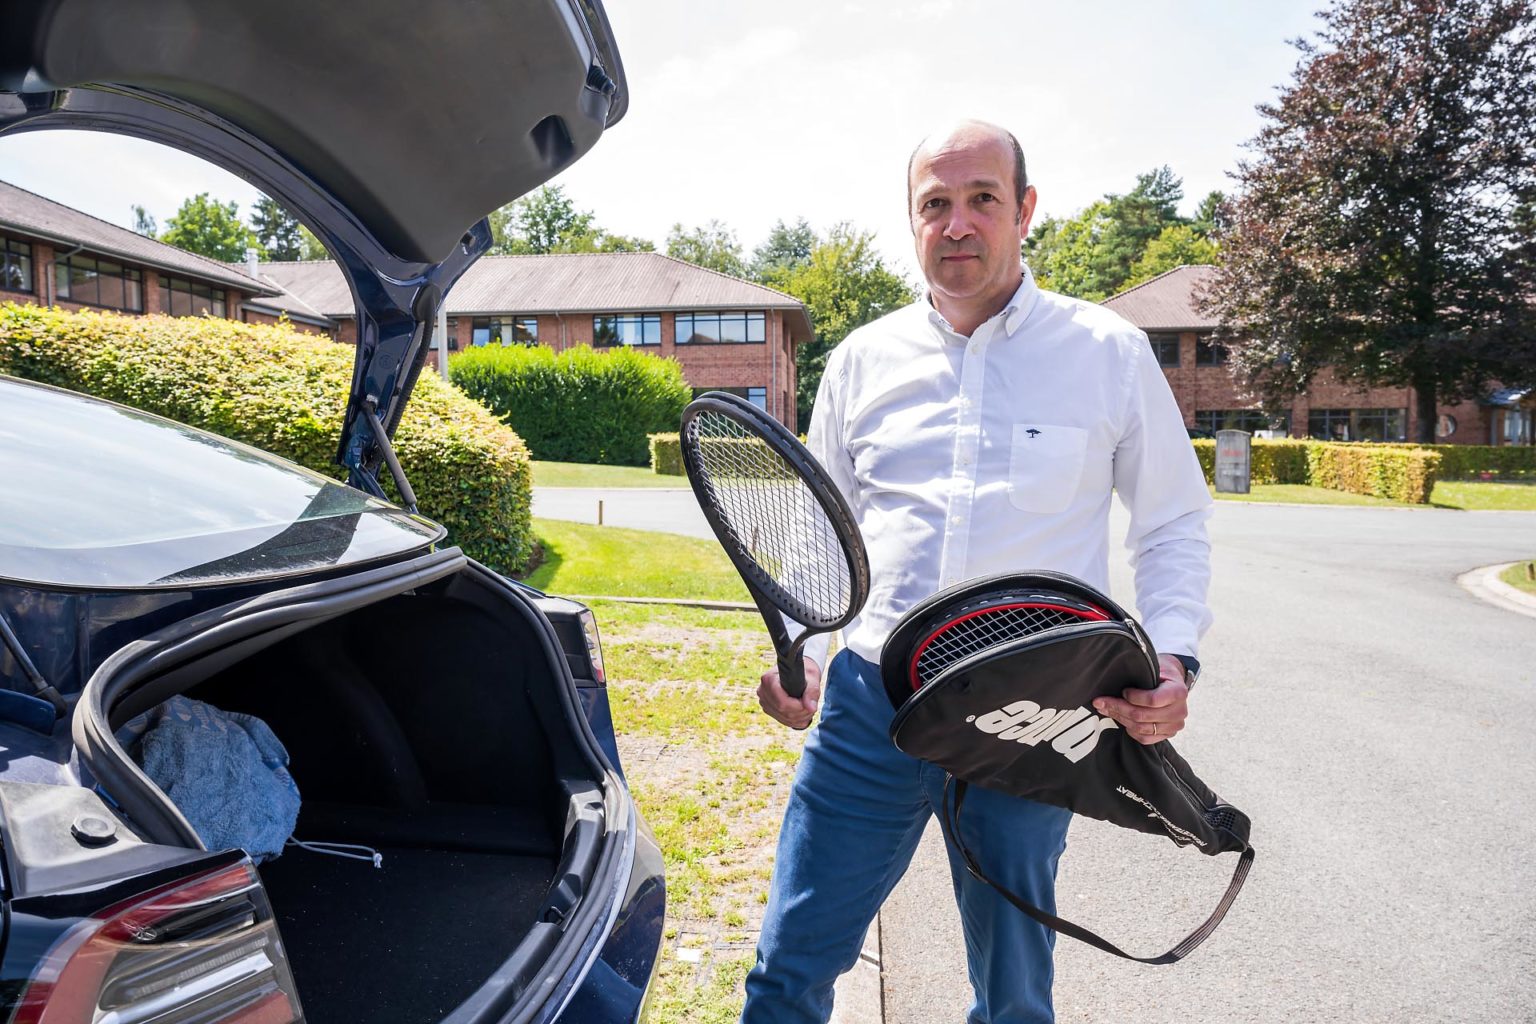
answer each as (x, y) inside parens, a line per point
(773, 516)
(981, 630)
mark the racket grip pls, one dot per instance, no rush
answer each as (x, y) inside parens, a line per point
(792, 672)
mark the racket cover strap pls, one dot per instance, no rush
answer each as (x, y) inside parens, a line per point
(949, 821)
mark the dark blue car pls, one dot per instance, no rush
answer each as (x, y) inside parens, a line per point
(434, 713)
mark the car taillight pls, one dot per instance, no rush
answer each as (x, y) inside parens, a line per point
(594, 644)
(201, 950)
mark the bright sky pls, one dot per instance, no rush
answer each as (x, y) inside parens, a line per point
(751, 112)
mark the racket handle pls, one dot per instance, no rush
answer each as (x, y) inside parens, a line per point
(792, 672)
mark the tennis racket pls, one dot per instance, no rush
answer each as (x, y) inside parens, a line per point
(781, 520)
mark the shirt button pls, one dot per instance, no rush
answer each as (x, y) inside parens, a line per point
(957, 520)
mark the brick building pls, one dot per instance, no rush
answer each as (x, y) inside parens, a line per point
(728, 334)
(1166, 309)
(53, 255)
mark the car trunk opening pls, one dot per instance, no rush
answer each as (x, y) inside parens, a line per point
(434, 724)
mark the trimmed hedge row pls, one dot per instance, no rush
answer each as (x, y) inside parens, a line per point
(579, 405)
(667, 455)
(1471, 461)
(1398, 472)
(286, 393)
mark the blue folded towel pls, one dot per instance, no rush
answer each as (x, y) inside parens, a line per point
(227, 772)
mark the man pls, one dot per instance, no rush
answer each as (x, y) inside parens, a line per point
(981, 429)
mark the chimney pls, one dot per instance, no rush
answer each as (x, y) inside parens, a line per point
(250, 260)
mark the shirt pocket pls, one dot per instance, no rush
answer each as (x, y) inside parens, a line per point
(1045, 466)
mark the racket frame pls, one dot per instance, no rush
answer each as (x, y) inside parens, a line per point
(772, 600)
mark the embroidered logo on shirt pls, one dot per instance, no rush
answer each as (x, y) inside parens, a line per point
(1073, 732)
(1032, 432)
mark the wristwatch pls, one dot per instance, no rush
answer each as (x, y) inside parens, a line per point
(1191, 669)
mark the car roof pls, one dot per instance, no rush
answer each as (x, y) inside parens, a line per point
(419, 119)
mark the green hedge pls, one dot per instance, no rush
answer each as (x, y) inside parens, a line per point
(1400, 472)
(579, 405)
(667, 455)
(286, 393)
(1382, 471)
(1270, 462)
(1471, 461)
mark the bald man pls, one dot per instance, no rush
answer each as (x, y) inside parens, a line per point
(982, 429)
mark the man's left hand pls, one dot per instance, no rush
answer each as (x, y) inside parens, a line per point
(1151, 716)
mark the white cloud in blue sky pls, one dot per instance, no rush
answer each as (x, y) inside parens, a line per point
(752, 112)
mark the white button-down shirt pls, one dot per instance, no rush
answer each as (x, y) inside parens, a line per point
(962, 457)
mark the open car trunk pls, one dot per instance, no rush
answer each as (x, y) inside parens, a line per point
(427, 714)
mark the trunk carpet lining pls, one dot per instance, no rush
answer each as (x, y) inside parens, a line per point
(407, 942)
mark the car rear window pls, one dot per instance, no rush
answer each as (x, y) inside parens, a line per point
(100, 495)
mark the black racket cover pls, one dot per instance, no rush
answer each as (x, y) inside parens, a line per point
(1017, 716)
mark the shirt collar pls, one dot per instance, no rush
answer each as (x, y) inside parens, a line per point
(1014, 313)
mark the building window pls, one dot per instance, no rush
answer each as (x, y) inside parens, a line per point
(1445, 426)
(180, 297)
(1251, 420)
(627, 329)
(1210, 353)
(15, 265)
(504, 330)
(720, 328)
(757, 396)
(1512, 426)
(453, 335)
(93, 282)
(1166, 348)
(1358, 424)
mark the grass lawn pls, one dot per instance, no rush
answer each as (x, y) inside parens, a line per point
(577, 474)
(1519, 576)
(1460, 494)
(711, 774)
(613, 562)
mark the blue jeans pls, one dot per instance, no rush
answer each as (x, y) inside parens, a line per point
(854, 818)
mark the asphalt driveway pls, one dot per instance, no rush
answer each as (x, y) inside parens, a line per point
(1374, 719)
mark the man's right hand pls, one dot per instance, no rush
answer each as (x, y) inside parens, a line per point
(795, 712)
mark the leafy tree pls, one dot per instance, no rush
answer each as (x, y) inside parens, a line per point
(844, 284)
(310, 247)
(786, 247)
(1211, 216)
(1090, 255)
(1180, 245)
(143, 223)
(210, 228)
(712, 245)
(277, 231)
(1378, 229)
(547, 221)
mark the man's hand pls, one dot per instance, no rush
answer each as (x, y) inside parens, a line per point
(1150, 716)
(795, 712)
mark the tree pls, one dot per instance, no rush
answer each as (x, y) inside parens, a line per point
(278, 232)
(712, 245)
(1090, 255)
(1378, 229)
(310, 247)
(785, 248)
(1180, 245)
(1210, 217)
(844, 284)
(547, 221)
(210, 228)
(143, 223)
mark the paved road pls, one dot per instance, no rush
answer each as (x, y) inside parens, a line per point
(1374, 719)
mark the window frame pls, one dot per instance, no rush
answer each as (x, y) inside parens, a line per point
(1160, 342)
(22, 261)
(217, 301)
(643, 320)
(66, 267)
(1210, 353)
(503, 328)
(746, 317)
(1352, 420)
(1247, 419)
(760, 399)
